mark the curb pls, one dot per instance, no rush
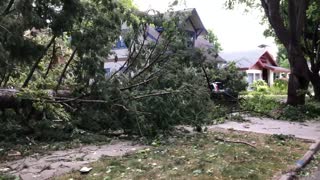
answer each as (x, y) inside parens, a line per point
(307, 157)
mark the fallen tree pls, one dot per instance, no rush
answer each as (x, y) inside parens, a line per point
(58, 84)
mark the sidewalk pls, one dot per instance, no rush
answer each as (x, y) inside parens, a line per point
(38, 167)
(306, 130)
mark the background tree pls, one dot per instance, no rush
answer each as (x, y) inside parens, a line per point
(282, 57)
(296, 26)
(212, 38)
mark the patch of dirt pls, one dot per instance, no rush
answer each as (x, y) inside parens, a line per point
(39, 167)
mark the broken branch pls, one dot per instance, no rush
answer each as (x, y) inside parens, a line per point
(236, 142)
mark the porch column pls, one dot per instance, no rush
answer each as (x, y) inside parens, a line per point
(270, 77)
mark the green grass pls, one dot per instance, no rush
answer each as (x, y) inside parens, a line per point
(311, 168)
(7, 177)
(200, 156)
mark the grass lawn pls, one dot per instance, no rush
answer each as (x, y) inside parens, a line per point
(202, 156)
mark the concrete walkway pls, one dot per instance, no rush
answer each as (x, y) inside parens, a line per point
(38, 167)
(306, 130)
(315, 176)
(57, 163)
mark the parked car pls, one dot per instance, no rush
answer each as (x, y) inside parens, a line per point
(218, 91)
(217, 87)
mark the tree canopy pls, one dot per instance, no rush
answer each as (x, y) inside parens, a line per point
(212, 38)
(295, 24)
(52, 56)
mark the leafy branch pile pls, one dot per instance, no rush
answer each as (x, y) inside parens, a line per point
(267, 106)
(53, 80)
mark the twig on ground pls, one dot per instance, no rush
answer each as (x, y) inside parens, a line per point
(236, 142)
(46, 167)
(253, 111)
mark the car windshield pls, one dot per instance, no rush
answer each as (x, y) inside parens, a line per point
(220, 85)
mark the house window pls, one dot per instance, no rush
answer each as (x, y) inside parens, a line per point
(250, 78)
(108, 71)
(120, 43)
(191, 38)
(257, 76)
(159, 29)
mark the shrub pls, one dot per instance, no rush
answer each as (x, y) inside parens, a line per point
(260, 86)
(230, 77)
(280, 86)
(311, 110)
(262, 89)
(260, 104)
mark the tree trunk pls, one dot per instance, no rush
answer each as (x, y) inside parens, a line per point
(9, 99)
(296, 90)
(299, 78)
(35, 65)
(315, 80)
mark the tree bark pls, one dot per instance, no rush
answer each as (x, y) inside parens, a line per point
(315, 81)
(315, 67)
(65, 69)
(299, 78)
(290, 37)
(34, 67)
(7, 10)
(9, 99)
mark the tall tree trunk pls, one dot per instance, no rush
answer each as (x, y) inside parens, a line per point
(290, 37)
(296, 90)
(299, 78)
(315, 80)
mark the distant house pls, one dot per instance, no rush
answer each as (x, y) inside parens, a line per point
(207, 49)
(193, 27)
(258, 64)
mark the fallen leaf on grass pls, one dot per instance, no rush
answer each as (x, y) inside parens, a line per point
(85, 170)
(3, 170)
(197, 172)
(14, 153)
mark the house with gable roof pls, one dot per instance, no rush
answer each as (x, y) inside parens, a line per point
(258, 64)
(192, 25)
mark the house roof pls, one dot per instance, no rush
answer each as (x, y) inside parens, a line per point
(207, 49)
(248, 59)
(202, 43)
(243, 59)
(196, 21)
(193, 17)
(276, 68)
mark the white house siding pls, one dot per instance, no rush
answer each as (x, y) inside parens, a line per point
(112, 66)
(253, 75)
(152, 37)
(270, 77)
(121, 53)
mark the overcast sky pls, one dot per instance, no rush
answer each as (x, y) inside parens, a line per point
(235, 29)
